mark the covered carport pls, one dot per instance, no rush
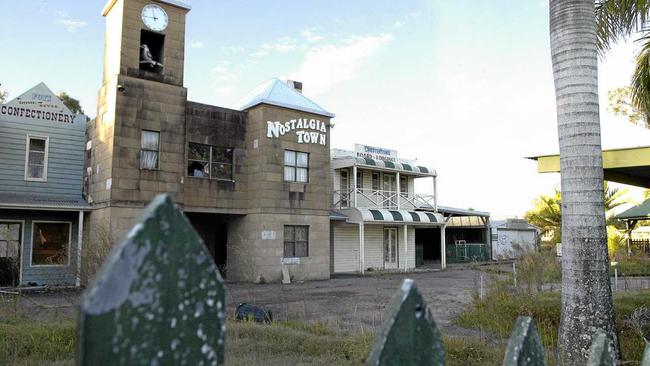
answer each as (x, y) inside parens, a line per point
(627, 165)
(465, 236)
(630, 166)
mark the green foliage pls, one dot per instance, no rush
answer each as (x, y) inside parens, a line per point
(632, 266)
(616, 243)
(620, 19)
(499, 310)
(71, 103)
(620, 103)
(3, 94)
(546, 213)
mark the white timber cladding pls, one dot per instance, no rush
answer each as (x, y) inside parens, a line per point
(346, 247)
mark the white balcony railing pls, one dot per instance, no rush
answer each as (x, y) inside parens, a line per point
(372, 198)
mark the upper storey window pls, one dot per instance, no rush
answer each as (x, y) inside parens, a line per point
(36, 158)
(206, 161)
(296, 166)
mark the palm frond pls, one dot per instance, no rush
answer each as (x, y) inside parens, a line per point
(640, 93)
(616, 19)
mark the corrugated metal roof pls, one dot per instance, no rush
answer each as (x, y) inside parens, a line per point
(278, 93)
(22, 201)
(641, 211)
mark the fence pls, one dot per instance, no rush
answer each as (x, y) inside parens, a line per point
(159, 300)
(640, 247)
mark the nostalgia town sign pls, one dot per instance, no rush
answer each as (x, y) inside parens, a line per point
(308, 131)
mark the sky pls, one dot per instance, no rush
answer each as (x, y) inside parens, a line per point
(463, 86)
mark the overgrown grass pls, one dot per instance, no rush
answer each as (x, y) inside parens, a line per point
(27, 342)
(632, 266)
(498, 311)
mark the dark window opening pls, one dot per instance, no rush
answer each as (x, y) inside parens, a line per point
(151, 51)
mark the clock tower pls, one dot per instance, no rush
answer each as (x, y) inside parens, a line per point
(136, 143)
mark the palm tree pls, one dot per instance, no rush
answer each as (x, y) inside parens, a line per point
(586, 290)
(616, 19)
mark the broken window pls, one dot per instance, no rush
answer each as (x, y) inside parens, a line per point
(151, 51)
(296, 241)
(296, 166)
(206, 161)
(50, 243)
(36, 164)
(150, 149)
(10, 234)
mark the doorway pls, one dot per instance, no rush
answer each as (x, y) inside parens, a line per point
(345, 188)
(390, 188)
(391, 248)
(427, 247)
(10, 239)
(213, 229)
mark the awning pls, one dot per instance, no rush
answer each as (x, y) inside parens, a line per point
(377, 164)
(372, 215)
(337, 216)
(44, 202)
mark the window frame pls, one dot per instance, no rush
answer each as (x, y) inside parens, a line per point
(295, 166)
(45, 158)
(378, 181)
(359, 179)
(404, 188)
(142, 149)
(31, 246)
(284, 241)
(210, 162)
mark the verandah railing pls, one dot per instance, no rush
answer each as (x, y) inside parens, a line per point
(159, 300)
(373, 198)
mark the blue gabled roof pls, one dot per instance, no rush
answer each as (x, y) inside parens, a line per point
(278, 93)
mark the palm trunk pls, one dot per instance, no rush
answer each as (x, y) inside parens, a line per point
(586, 291)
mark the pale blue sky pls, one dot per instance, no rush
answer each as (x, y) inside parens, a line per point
(463, 86)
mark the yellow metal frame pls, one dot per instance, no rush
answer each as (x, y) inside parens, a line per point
(633, 157)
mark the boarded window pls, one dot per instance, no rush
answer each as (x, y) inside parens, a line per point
(296, 241)
(50, 243)
(296, 166)
(36, 164)
(206, 161)
(150, 150)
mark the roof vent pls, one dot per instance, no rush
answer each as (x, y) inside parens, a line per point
(296, 85)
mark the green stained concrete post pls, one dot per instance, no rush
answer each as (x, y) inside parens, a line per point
(158, 299)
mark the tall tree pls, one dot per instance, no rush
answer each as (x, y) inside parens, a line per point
(586, 290)
(71, 103)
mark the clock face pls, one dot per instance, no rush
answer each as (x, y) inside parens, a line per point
(154, 17)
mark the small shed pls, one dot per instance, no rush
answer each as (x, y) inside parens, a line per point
(512, 238)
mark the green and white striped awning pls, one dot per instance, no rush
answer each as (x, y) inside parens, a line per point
(377, 215)
(395, 166)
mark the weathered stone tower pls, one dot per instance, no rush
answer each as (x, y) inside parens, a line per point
(137, 140)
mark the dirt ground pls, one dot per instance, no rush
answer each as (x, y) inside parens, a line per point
(350, 303)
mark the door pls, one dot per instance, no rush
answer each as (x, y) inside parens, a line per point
(10, 238)
(389, 191)
(345, 188)
(391, 248)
